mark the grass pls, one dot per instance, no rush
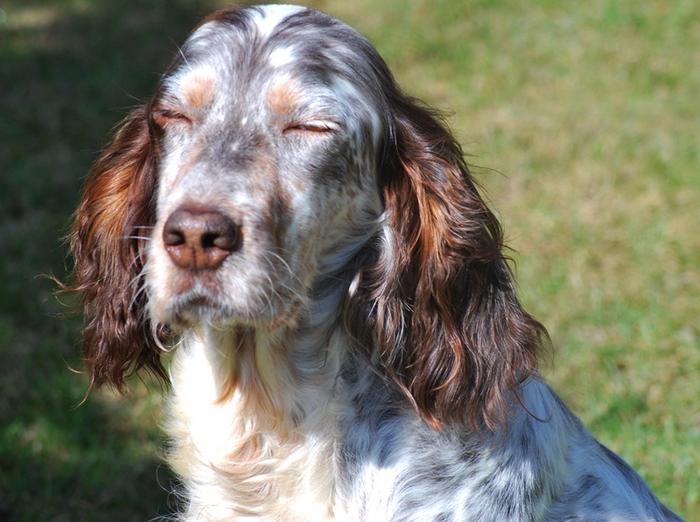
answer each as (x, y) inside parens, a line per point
(586, 111)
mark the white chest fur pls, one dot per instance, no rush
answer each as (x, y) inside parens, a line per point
(260, 449)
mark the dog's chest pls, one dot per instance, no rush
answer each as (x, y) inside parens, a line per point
(237, 464)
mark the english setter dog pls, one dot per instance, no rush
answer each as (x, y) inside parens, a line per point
(348, 344)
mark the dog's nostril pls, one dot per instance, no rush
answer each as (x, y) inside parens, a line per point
(173, 237)
(224, 242)
(209, 240)
(200, 239)
(228, 240)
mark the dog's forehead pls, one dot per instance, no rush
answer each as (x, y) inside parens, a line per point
(250, 51)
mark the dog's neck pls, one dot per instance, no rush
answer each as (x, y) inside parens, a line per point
(255, 412)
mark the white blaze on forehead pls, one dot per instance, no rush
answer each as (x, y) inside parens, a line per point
(281, 56)
(273, 15)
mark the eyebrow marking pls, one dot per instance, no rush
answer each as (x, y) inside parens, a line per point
(198, 89)
(283, 96)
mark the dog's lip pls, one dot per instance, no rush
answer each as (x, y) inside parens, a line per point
(196, 300)
(189, 310)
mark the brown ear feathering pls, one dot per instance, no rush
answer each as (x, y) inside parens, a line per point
(113, 216)
(448, 325)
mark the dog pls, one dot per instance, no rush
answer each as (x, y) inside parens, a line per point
(348, 344)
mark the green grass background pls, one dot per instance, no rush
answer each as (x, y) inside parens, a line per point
(582, 120)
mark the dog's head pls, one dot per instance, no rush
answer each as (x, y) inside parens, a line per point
(278, 148)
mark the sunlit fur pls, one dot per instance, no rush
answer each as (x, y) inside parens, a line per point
(363, 354)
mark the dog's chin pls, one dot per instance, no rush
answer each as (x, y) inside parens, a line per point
(195, 311)
(198, 311)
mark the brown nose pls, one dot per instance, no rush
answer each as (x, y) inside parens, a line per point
(200, 239)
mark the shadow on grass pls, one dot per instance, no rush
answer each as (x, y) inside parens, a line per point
(69, 72)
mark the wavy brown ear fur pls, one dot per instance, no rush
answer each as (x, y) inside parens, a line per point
(450, 330)
(108, 255)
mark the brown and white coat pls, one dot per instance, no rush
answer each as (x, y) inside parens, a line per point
(348, 341)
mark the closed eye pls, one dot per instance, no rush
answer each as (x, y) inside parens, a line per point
(312, 126)
(164, 117)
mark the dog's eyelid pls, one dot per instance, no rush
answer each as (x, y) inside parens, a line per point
(318, 126)
(164, 116)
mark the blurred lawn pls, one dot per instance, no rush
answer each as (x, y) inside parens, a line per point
(589, 114)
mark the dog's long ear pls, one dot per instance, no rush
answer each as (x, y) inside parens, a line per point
(449, 328)
(114, 214)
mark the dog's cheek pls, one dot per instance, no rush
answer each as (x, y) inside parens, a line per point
(158, 279)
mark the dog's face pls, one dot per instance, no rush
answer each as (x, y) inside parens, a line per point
(268, 146)
(278, 149)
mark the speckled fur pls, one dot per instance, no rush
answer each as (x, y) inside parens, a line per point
(281, 406)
